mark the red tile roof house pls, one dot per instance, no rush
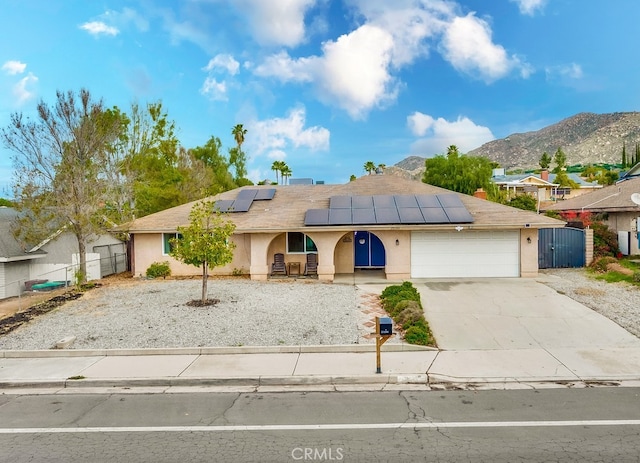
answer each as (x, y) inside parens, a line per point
(408, 228)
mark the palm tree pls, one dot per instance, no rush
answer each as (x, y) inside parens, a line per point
(276, 168)
(286, 172)
(369, 167)
(238, 133)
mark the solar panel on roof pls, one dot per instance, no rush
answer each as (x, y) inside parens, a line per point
(316, 217)
(339, 216)
(387, 215)
(383, 201)
(450, 200)
(405, 201)
(241, 205)
(340, 202)
(458, 215)
(434, 215)
(410, 215)
(362, 202)
(428, 201)
(363, 216)
(223, 205)
(264, 194)
(247, 194)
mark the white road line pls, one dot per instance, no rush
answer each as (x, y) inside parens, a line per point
(323, 427)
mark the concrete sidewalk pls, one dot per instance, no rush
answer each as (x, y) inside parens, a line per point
(321, 366)
(491, 333)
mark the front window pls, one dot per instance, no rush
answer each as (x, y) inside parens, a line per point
(166, 242)
(299, 243)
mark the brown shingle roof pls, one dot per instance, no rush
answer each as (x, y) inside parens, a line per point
(287, 208)
(613, 198)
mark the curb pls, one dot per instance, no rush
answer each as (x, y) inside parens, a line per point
(355, 348)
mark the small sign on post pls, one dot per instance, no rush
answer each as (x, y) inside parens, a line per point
(384, 330)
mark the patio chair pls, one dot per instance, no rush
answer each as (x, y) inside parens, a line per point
(278, 267)
(311, 267)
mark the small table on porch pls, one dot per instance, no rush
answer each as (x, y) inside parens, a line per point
(294, 269)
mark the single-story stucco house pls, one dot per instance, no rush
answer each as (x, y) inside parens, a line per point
(543, 185)
(615, 205)
(407, 228)
(54, 259)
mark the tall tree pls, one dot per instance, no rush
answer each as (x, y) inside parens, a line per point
(237, 158)
(461, 173)
(560, 159)
(369, 167)
(285, 172)
(213, 159)
(145, 177)
(277, 166)
(205, 241)
(545, 161)
(60, 161)
(625, 162)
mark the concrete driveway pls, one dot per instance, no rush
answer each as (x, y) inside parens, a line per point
(514, 313)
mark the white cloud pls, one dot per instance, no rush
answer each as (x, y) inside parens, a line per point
(410, 23)
(529, 7)
(276, 22)
(14, 67)
(352, 74)
(97, 28)
(287, 69)
(23, 91)
(277, 155)
(213, 89)
(468, 46)
(276, 136)
(564, 72)
(439, 134)
(223, 62)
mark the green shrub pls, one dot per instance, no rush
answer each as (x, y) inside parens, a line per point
(636, 277)
(402, 302)
(417, 335)
(410, 315)
(159, 269)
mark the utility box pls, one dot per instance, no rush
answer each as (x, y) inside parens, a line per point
(386, 326)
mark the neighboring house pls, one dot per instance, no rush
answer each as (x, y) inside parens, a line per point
(55, 259)
(543, 185)
(614, 202)
(408, 228)
(15, 262)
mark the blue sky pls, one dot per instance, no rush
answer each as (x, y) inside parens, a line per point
(326, 85)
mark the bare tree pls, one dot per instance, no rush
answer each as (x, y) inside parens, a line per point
(59, 162)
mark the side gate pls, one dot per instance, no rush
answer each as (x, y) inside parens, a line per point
(561, 248)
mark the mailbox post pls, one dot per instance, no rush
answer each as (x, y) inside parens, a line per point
(384, 330)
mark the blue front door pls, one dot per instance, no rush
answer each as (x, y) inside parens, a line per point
(369, 250)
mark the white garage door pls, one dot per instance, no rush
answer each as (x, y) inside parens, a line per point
(465, 254)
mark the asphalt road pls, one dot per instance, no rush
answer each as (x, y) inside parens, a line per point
(586, 425)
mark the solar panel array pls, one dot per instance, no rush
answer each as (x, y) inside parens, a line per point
(244, 200)
(390, 209)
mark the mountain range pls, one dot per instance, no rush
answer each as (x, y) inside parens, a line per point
(585, 138)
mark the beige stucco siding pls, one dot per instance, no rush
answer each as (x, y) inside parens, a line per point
(148, 248)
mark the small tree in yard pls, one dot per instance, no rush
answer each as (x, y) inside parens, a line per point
(205, 241)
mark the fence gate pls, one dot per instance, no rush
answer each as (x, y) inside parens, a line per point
(561, 247)
(113, 258)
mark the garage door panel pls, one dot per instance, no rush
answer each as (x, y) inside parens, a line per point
(465, 254)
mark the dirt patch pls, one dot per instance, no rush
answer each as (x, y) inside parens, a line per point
(616, 267)
(584, 291)
(12, 322)
(201, 303)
